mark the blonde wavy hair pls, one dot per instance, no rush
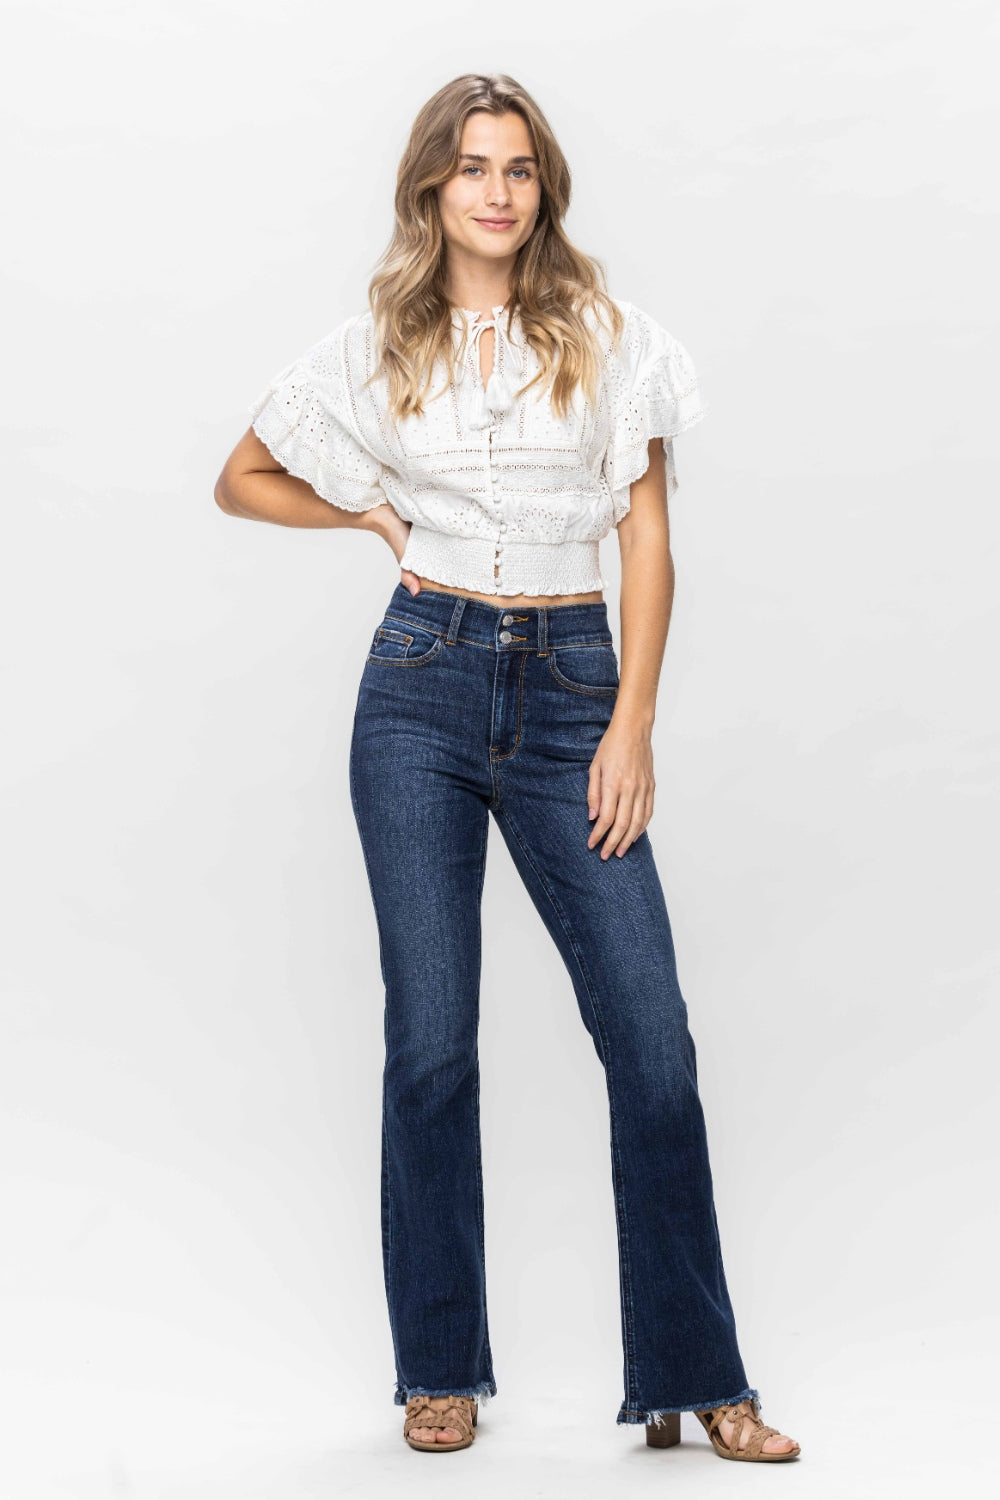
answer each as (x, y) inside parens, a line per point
(554, 285)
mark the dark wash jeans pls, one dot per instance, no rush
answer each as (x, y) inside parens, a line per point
(467, 709)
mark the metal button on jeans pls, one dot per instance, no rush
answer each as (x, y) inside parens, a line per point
(505, 636)
(508, 620)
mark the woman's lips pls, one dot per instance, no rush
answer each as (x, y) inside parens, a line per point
(497, 223)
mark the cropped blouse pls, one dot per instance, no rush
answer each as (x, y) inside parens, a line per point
(503, 496)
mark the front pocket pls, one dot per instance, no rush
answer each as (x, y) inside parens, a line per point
(586, 669)
(409, 646)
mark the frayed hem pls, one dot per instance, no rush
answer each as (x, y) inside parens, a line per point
(481, 1393)
(654, 1416)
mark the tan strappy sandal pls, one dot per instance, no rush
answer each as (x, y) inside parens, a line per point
(459, 1412)
(739, 1414)
(668, 1433)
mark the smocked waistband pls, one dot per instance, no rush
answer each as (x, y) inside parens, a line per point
(525, 567)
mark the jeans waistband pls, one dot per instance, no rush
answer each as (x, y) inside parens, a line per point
(513, 628)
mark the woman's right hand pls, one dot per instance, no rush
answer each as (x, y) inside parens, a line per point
(389, 524)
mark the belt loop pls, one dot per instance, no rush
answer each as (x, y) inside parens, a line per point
(456, 616)
(543, 630)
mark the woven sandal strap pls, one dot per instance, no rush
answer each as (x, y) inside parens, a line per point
(717, 1416)
(720, 1414)
(438, 1403)
(759, 1437)
(759, 1434)
(439, 1411)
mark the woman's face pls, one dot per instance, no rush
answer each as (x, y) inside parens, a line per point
(496, 180)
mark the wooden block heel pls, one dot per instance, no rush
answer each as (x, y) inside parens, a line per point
(667, 1433)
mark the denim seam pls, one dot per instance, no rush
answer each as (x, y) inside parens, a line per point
(582, 645)
(378, 925)
(629, 1320)
(467, 640)
(414, 624)
(498, 755)
(487, 1351)
(408, 661)
(456, 619)
(388, 1202)
(577, 687)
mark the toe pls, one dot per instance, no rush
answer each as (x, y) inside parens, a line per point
(780, 1444)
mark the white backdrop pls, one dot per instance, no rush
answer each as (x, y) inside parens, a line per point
(190, 1277)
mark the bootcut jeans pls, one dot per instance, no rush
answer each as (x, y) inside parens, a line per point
(467, 709)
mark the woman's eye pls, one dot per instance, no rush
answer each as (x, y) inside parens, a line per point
(524, 171)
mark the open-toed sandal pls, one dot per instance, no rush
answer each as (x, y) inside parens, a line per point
(667, 1432)
(458, 1412)
(739, 1414)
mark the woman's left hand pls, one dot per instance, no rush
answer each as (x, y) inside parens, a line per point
(621, 786)
(389, 524)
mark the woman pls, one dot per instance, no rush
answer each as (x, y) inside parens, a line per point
(491, 417)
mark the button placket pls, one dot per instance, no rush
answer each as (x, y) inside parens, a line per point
(501, 525)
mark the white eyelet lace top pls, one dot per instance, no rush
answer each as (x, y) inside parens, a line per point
(503, 496)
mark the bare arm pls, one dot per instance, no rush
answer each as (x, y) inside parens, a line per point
(621, 774)
(255, 487)
(647, 591)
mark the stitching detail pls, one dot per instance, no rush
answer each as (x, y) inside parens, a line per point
(408, 661)
(577, 687)
(498, 755)
(487, 1351)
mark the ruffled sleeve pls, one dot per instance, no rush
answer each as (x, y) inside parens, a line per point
(654, 393)
(303, 417)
